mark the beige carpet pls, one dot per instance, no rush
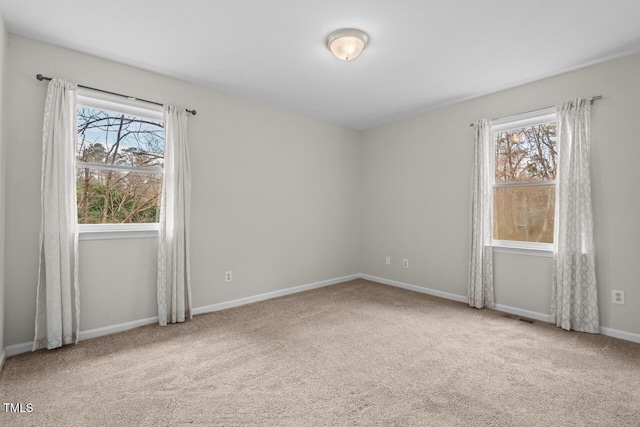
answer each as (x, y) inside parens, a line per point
(356, 353)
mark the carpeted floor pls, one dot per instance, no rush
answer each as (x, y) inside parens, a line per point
(356, 353)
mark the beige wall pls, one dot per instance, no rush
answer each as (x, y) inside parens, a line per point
(3, 64)
(276, 196)
(416, 193)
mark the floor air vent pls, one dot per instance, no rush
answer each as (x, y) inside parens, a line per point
(516, 317)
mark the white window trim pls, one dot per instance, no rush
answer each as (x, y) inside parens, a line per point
(523, 120)
(118, 104)
(104, 166)
(117, 231)
(523, 248)
(512, 122)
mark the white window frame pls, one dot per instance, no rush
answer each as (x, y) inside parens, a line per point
(513, 122)
(104, 101)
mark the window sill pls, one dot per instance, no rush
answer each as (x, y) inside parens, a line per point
(117, 231)
(523, 248)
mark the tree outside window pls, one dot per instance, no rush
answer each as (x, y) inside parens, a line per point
(120, 160)
(524, 189)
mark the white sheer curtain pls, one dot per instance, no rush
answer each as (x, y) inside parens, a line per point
(58, 298)
(481, 257)
(174, 281)
(574, 298)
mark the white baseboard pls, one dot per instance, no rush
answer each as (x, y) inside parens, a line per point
(455, 297)
(524, 313)
(14, 349)
(543, 317)
(113, 329)
(616, 333)
(610, 332)
(415, 288)
(268, 295)
(26, 347)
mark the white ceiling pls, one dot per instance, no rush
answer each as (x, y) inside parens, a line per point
(422, 54)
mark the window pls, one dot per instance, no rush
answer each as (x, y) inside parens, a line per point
(120, 160)
(524, 186)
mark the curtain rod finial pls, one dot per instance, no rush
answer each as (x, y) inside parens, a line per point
(40, 77)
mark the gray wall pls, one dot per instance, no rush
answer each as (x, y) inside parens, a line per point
(3, 63)
(416, 193)
(285, 200)
(276, 196)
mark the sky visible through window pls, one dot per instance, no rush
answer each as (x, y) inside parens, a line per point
(114, 137)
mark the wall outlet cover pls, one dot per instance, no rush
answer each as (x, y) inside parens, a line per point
(617, 297)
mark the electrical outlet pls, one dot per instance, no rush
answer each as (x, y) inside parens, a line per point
(228, 276)
(618, 297)
(405, 263)
(388, 261)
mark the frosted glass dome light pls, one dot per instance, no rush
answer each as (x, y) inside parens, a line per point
(347, 44)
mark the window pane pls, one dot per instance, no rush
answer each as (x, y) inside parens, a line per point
(526, 154)
(119, 139)
(113, 196)
(524, 213)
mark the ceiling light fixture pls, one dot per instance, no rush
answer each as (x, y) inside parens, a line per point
(346, 44)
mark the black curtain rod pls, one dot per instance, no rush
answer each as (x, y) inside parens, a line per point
(592, 100)
(41, 78)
